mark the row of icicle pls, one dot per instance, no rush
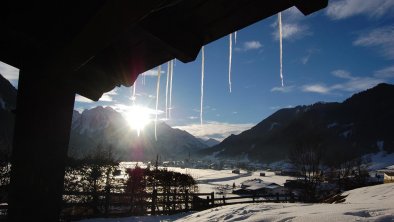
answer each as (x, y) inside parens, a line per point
(170, 75)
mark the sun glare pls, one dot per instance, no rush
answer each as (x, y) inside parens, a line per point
(138, 117)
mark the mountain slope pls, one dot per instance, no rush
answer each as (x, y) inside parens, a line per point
(107, 128)
(357, 126)
(7, 105)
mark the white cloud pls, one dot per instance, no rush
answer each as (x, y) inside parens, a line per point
(10, 73)
(385, 73)
(352, 84)
(291, 31)
(343, 74)
(81, 99)
(249, 45)
(108, 96)
(121, 108)
(215, 130)
(382, 38)
(153, 72)
(316, 88)
(346, 8)
(305, 59)
(357, 84)
(284, 89)
(252, 45)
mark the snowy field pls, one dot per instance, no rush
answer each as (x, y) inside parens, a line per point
(212, 180)
(374, 203)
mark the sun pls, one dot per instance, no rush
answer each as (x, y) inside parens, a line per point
(137, 117)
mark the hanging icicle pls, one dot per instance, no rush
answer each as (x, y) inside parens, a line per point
(168, 78)
(202, 82)
(171, 74)
(230, 60)
(235, 37)
(157, 98)
(280, 45)
(133, 98)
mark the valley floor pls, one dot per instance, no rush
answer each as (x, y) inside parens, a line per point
(374, 203)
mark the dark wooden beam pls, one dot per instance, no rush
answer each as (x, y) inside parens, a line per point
(42, 128)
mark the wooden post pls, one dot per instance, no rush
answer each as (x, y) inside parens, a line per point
(42, 131)
(154, 201)
(213, 199)
(173, 200)
(107, 196)
(187, 200)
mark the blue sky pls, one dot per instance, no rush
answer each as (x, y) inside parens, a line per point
(327, 56)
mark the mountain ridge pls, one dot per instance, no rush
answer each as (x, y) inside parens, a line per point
(353, 127)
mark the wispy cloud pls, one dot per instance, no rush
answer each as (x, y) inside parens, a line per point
(381, 38)
(284, 89)
(352, 84)
(109, 96)
(316, 88)
(346, 8)
(291, 31)
(252, 45)
(249, 45)
(81, 99)
(10, 73)
(280, 107)
(215, 130)
(385, 73)
(153, 72)
(343, 74)
(122, 108)
(309, 53)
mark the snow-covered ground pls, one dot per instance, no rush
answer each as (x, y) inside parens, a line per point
(209, 180)
(374, 203)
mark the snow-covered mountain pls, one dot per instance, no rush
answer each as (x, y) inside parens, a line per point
(209, 142)
(362, 124)
(106, 127)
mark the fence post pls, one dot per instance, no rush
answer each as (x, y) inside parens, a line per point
(187, 199)
(107, 196)
(213, 199)
(173, 200)
(154, 200)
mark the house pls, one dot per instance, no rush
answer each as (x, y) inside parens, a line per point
(237, 171)
(258, 186)
(388, 177)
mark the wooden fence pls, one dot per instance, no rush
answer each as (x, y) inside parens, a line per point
(125, 204)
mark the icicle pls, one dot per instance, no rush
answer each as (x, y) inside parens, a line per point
(202, 82)
(168, 78)
(171, 74)
(157, 98)
(133, 98)
(280, 45)
(235, 37)
(229, 60)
